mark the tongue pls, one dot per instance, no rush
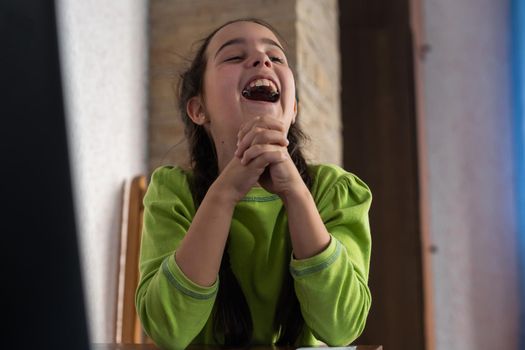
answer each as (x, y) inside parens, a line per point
(261, 93)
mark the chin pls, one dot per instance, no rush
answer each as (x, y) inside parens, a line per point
(254, 109)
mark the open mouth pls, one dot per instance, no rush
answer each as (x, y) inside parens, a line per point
(261, 90)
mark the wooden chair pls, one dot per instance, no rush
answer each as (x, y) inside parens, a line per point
(128, 329)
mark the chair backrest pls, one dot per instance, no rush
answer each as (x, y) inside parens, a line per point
(128, 329)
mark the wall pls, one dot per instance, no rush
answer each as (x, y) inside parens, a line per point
(470, 165)
(103, 52)
(518, 74)
(319, 78)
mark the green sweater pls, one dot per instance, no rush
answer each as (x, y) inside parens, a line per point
(331, 287)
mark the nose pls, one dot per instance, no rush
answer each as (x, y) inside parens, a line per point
(261, 59)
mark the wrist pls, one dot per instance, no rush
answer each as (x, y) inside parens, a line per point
(296, 194)
(222, 195)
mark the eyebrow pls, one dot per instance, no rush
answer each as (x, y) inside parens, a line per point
(237, 41)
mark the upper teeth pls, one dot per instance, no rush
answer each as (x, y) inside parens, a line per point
(262, 82)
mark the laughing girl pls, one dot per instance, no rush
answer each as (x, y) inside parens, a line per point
(252, 245)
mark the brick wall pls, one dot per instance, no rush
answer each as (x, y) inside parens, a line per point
(318, 78)
(310, 30)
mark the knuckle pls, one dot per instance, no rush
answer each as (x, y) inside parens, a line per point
(258, 130)
(258, 148)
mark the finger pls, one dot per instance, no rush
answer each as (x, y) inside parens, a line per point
(259, 135)
(260, 163)
(278, 153)
(262, 122)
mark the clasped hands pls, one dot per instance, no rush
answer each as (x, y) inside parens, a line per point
(262, 157)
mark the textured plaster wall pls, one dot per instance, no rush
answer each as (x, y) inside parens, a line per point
(104, 54)
(469, 140)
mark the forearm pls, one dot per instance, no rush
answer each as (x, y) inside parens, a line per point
(172, 309)
(200, 252)
(308, 233)
(331, 286)
(334, 296)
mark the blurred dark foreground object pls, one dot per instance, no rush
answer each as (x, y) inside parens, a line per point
(42, 303)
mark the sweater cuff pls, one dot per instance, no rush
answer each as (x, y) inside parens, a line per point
(183, 284)
(316, 263)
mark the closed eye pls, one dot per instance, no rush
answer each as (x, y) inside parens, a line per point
(234, 58)
(276, 59)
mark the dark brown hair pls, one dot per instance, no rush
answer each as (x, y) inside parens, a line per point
(232, 318)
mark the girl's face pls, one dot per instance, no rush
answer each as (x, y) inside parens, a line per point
(241, 57)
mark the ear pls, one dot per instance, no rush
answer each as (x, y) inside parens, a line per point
(195, 110)
(295, 110)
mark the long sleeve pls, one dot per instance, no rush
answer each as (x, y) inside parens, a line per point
(332, 287)
(173, 310)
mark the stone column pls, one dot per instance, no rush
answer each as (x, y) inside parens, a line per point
(310, 28)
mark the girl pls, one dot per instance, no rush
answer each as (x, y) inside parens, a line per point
(252, 245)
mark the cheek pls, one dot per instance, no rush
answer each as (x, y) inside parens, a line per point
(287, 78)
(289, 95)
(214, 90)
(221, 83)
